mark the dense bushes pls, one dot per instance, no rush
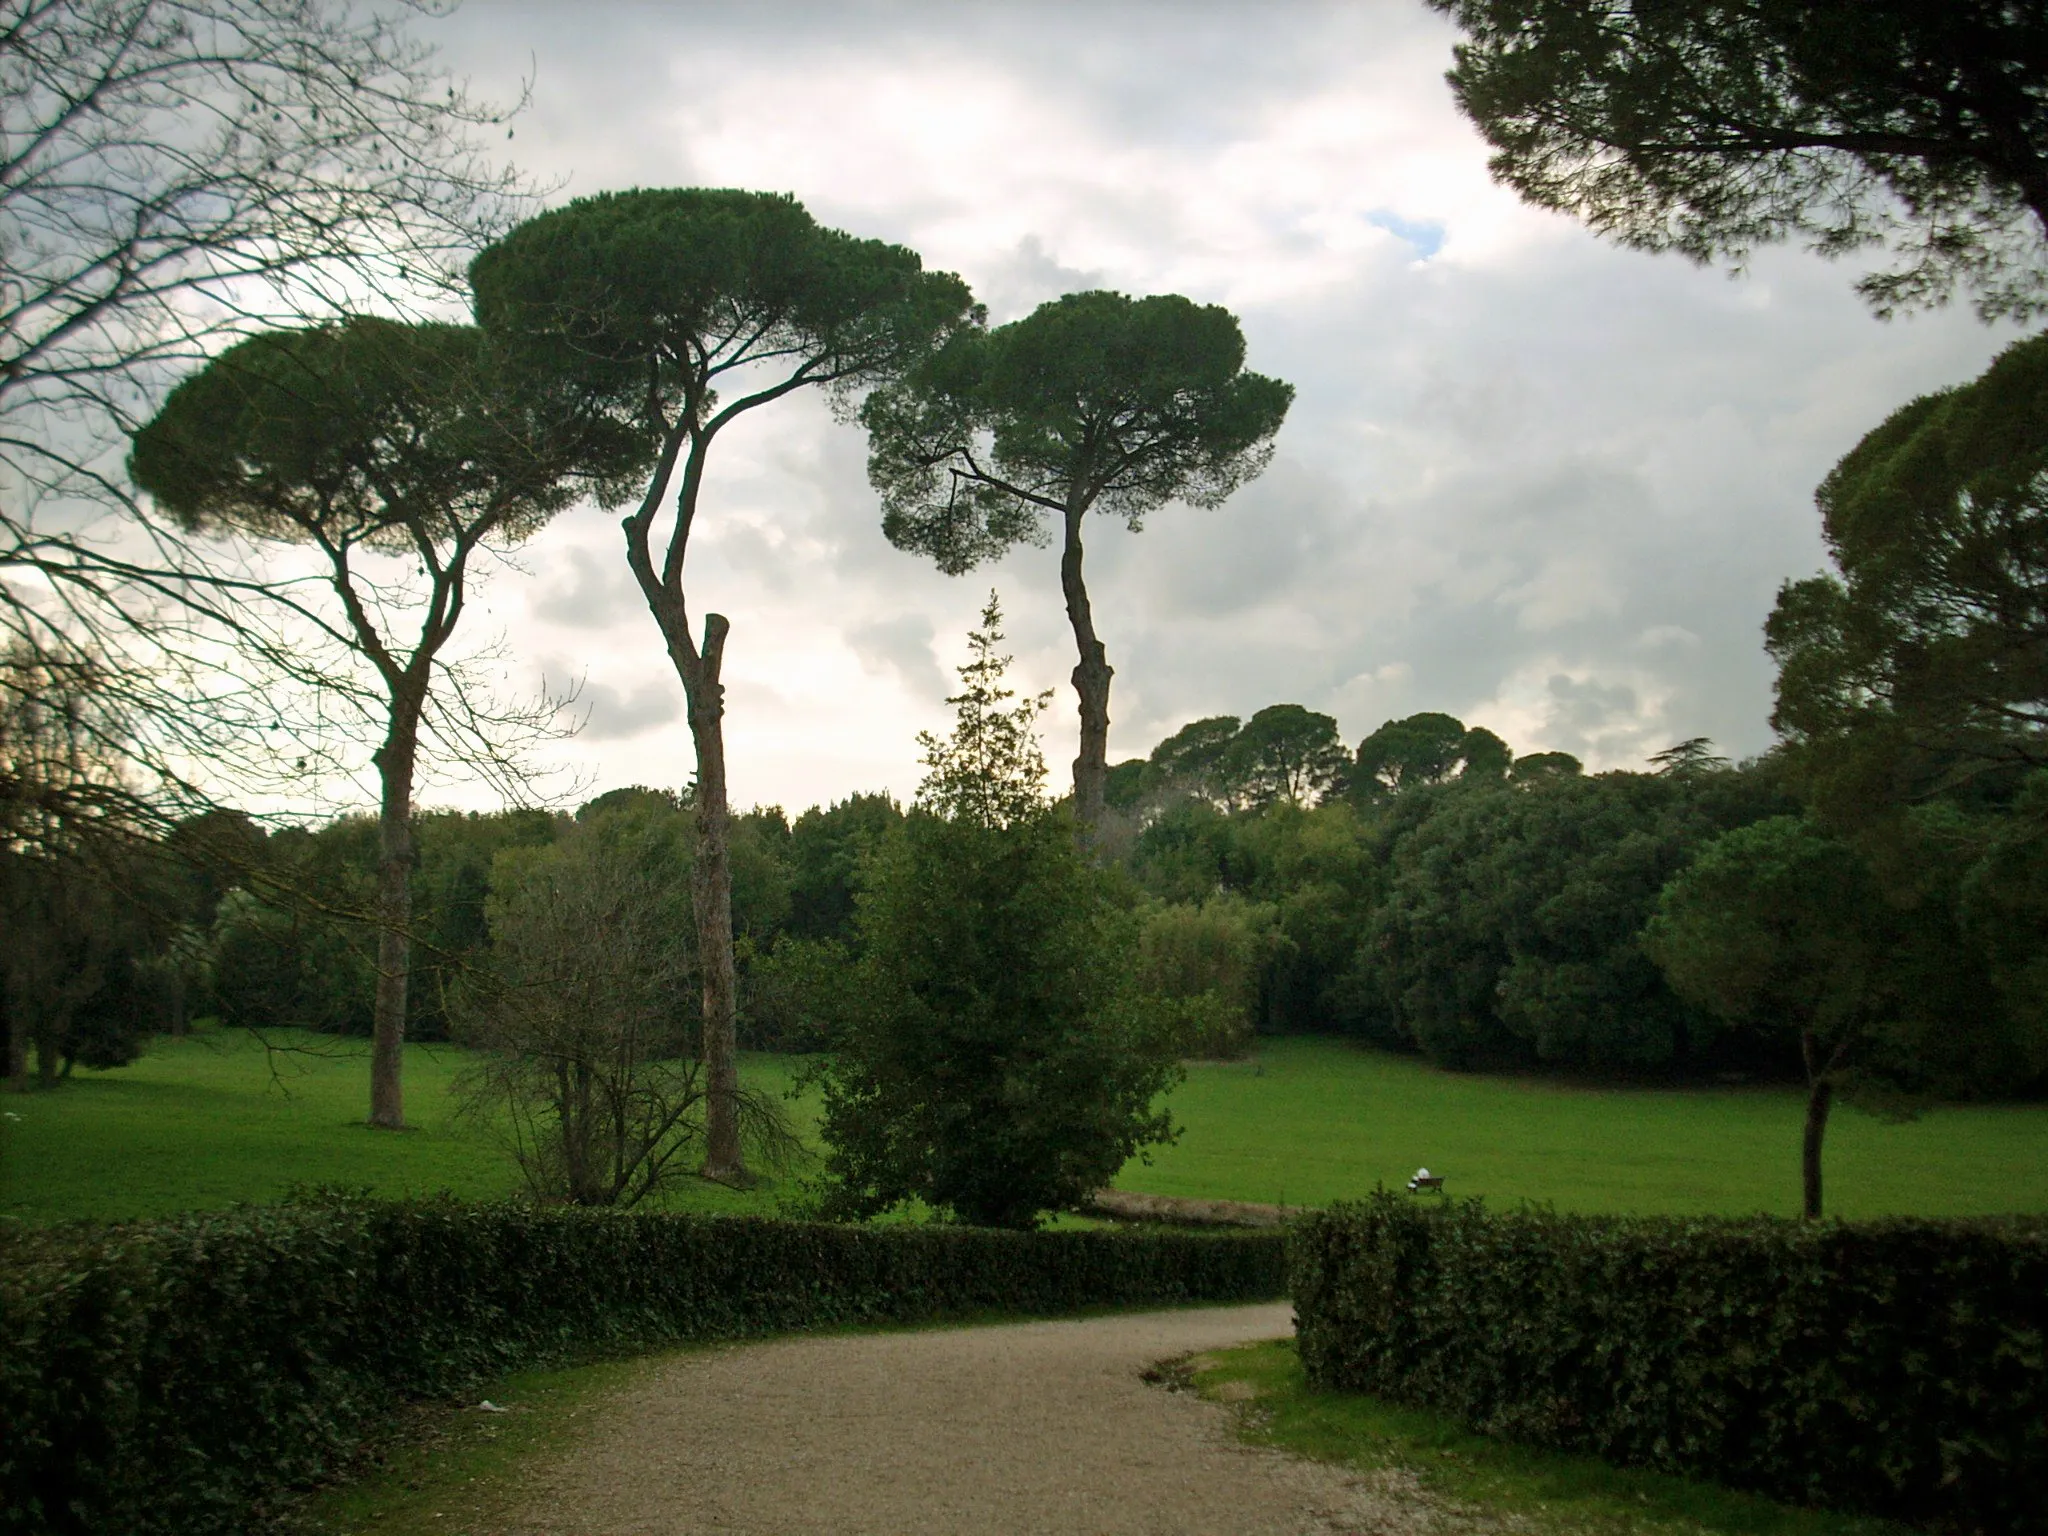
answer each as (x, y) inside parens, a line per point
(1897, 1366)
(175, 1376)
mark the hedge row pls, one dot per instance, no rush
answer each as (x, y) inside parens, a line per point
(1894, 1367)
(178, 1376)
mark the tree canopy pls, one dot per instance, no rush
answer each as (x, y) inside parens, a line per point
(1710, 127)
(1924, 663)
(1429, 748)
(1285, 754)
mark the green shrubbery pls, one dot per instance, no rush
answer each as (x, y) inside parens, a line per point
(1891, 1366)
(175, 1376)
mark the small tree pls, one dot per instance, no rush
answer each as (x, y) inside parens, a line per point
(586, 1061)
(1094, 402)
(1779, 927)
(995, 1063)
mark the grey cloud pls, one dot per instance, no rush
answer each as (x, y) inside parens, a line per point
(587, 590)
(619, 714)
(901, 646)
(1026, 277)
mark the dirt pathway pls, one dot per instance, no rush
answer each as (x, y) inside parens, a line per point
(1028, 1427)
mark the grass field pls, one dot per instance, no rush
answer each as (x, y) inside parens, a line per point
(1310, 1121)
(213, 1119)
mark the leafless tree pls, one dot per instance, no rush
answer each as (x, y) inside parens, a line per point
(585, 1063)
(175, 174)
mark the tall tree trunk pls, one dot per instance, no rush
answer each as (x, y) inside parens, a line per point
(395, 763)
(1820, 1098)
(711, 899)
(1091, 683)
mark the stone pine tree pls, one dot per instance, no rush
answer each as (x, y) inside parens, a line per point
(367, 439)
(683, 310)
(1920, 664)
(1095, 402)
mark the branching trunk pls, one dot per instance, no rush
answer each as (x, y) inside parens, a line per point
(395, 763)
(1092, 674)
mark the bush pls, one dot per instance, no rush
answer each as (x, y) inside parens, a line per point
(179, 1376)
(1890, 1366)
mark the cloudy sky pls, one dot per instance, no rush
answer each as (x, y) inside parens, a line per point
(1530, 479)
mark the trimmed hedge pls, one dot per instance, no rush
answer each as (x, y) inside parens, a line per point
(1895, 1367)
(178, 1376)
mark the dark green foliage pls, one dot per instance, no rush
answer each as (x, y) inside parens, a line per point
(1428, 748)
(1188, 758)
(1539, 767)
(1896, 1367)
(995, 1061)
(449, 892)
(1508, 928)
(612, 290)
(1124, 788)
(1713, 126)
(1284, 754)
(1924, 665)
(1094, 400)
(179, 1377)
(1202, 966)
(826, 846)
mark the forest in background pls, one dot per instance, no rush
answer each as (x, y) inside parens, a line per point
(1426, 892)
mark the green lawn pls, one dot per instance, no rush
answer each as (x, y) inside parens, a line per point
(212, 1119)
(1310, 1121)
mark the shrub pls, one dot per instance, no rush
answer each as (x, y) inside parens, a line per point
(1891, 1366)
(179, 1376)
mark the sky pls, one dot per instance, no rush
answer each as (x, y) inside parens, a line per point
(1530, 479)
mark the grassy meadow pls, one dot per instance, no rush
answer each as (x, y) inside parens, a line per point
(1309, 1121)
(214, 1119)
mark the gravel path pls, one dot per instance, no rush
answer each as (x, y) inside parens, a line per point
(1027, 1427)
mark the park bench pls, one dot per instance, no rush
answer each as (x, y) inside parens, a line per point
(1424, 1179)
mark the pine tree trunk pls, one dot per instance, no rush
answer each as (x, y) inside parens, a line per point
(1091, 678)
(395, 763)
(711, 899)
